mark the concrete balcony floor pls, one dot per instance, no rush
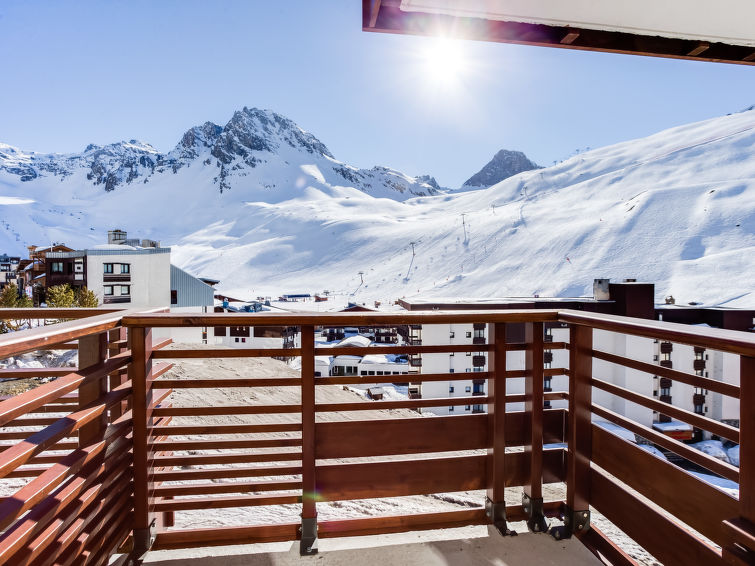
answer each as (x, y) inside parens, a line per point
(465, 546)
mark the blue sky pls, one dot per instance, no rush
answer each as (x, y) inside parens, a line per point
(84, 72)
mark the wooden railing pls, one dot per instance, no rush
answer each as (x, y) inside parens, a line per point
(120, 461)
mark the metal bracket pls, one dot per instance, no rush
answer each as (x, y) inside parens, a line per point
(533, 508)
(575, 522)
(496, 513)
(308, 543)
(143, 541)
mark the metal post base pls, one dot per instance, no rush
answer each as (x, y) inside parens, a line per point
(143, 540)
(575, 522)
(308, 544)
(496, 513)
(533, 508)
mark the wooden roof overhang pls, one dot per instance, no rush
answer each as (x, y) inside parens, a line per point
(387, 16)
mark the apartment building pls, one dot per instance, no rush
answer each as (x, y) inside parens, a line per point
(628, 298)
(9, 271)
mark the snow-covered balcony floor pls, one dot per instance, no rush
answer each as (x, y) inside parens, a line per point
(474, 545)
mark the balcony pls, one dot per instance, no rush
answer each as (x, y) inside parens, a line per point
(666, 347)
(115, 476)
(116, 278)
(478, 340)
(698, 365)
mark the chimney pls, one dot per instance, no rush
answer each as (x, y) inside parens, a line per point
(32, 249)
(633, 299)
(600, 289)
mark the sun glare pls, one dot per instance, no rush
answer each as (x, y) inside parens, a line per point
(443, 61)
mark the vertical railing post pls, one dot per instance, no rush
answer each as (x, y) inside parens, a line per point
(308, 545)
(495, 501)
(140, 373)
(579, 434)
(739, 547)
(116, 345)
(92, 352)
(532, 496)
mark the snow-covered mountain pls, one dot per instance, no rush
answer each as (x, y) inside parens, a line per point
(505, 164)
(251, 152)
(676, 208)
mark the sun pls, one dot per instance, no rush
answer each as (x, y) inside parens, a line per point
(443, 62)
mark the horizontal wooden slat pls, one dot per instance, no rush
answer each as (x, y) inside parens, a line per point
(229, 487)
(224, 429)
(716, 427)
(225, 473)
(401, 523)
(710, 338)
(664, 539)
(346, 439)
(223, 502)
(689, 379)
(700, 458)
(228, 383)
(695, 502)
(240, 458)
(334, 319)
(25, 373)
(398, 350)
(168, 445)
(188, 538)
(408, 404)
(400, 378)
(547, 372)
(214, 353)
(225, 410)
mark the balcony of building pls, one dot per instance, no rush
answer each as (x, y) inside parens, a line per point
(106, 462)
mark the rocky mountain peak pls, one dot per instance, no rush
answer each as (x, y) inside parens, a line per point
(506, 163)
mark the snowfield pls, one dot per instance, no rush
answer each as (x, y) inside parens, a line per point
(676, 208)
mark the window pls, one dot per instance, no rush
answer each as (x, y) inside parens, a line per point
(451, 334)
(469, 353)
(451, 354)
(108, 290)
(468, 389)
(469, 334)
(57, 267)
(378, 373)
(655, 393)
(479, 333)
(655, 357)
(173, 297)
(125, 289)
(236, 339)
(477, 368)
(108, 267)
(467, 407)
(450, 388)
(125, 268)
(665, 391)
(699, 409)
(467, 370)
(363, 372)
(451, 409)
(451, 370)
(243, 339)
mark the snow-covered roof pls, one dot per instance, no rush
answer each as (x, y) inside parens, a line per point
(113, 247)
(355, 341)
(673, 426)
(376, 359)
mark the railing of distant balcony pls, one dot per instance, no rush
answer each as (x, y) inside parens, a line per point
(125, 472)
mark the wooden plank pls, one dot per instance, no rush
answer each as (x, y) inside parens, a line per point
(225, 410)
(221, 536)
(333, 319)
(235, 458)
(700, 505)
(224, 429)
(709, 338)
(92, 353)
(345, 439)
(533, 407)
(215, 353)
(140, 370)
(747, 439)
(647, 526)
(25, 373)
(210, 488)
(363, 351)
(496, 423)
(604, 548)
(164, 505)
(700, 458)
(693, 380)
(227, 383)
(198, 445)
(705, 423)
(399, 378)
(579, 419)
(410, 404)
(225, 473)
(401, 523)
